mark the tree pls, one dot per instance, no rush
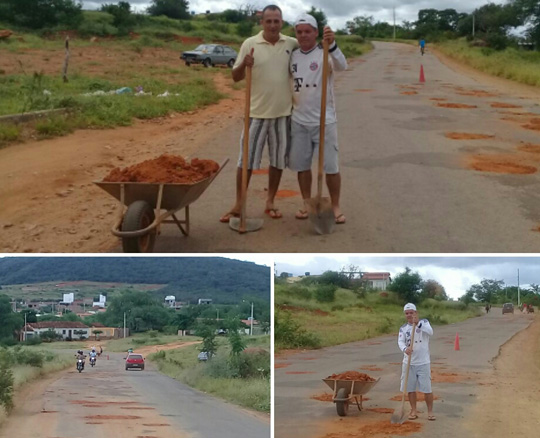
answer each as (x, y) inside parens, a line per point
(433, 289)
(487, 291)
(11, 321)
(31, 315)
(39, 14)
(170, 8)
(360, 25)
(50, 335)
(207, 331)
(121, 13)
(97, 333)
(407, 285)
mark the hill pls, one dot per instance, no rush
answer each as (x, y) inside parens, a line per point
(188, 278)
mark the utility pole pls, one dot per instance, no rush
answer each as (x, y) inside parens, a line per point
(25, 326)
(519, 303)
(124, 325)
(394, 9)
(473, 23)
(251, 325)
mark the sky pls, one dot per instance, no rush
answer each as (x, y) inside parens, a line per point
(337, 11)
(456, 274)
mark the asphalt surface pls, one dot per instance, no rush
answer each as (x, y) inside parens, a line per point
(298, 416)
(100, 401)
(405, 187)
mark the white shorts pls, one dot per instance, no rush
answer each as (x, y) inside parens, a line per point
(419, 378)
(305, 142)
(277, 132)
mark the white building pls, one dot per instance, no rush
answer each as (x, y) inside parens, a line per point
(65, 329)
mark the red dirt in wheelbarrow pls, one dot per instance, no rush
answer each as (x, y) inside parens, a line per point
(352, 375)
(371, 429)
(506, 164)
(165, 169)
(326, 397)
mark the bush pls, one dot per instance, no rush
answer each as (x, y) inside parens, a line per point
(326, 293)
(33, 340)
(496, 41)
(152, 333)
(28, 357)
(160, 355)
(245, 28)
(289, 334)
(300, 292)
(6, 382)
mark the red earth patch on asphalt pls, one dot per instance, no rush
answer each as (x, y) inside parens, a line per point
(455, 105)
(94, 422)
(323, 397)
(281, 365)
(466, 136)
(504, 105)
(287, 193)
(409, 93)
(136, 408)
(475, 93)
(368, 429)
(381, 410)
(156, 424)
(112, 417)
(505, 164)
(533, 124)
(438, 99)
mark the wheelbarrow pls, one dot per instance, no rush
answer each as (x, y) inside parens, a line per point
(141, 205)
(348, 391)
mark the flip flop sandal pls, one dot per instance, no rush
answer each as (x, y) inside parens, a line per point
(413, 417)
(301, 214)
(340, 220)
(274, 213)
(227, 217)
(431, 418)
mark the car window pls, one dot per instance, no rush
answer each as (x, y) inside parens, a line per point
(201, 47)
(135, 356)
(218, 50)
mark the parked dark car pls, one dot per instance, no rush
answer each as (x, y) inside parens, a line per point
(135, 361)
(210, 55)
(508, 308)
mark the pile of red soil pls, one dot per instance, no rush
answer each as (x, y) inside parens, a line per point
(165, 169)
(499, 164)
(352, 375)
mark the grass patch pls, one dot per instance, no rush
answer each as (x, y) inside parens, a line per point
(142, 339)
(517, 65)
(353, 317)
(9, 133)
(215, 377)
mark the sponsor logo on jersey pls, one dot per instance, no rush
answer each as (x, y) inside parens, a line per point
(313, 66)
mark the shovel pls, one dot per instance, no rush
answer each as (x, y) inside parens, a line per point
(320, 209)
(243, 224)
(400, 417)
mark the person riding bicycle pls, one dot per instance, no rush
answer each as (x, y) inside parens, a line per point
(422, 45)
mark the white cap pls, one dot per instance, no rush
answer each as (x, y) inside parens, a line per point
(306, 19)
(409, 306)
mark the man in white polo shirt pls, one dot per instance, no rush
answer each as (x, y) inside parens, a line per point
(420, 371)
(306, 69)
(268, 53)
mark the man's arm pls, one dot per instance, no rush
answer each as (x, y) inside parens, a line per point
(339, 62)
(401, 341)
(239, 71)
(425, 326)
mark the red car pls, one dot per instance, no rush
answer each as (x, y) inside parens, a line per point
(135, 361)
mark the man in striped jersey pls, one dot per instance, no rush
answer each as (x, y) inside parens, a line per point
(306, 70)
(268, 53)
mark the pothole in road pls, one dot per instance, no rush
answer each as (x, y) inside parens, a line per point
(504, 105)
(456, 105)
(466, 136)
(372, 429)
(505, 164)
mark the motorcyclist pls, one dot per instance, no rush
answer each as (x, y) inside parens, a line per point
(80, 355)
(93, 354)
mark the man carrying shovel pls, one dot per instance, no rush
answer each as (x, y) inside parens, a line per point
(419, 370)
(268, 54)
(306, 69)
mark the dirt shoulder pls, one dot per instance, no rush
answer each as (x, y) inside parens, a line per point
(49, 203)
(510, 405)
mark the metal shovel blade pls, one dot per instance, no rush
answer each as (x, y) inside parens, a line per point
(398, 417)
(251, 224)
(321, 215)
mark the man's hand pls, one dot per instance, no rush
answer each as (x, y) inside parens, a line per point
(329, 35)
(249, 60)
(415, 319)
(408, 351)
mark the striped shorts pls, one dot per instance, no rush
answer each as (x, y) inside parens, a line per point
(276, 132)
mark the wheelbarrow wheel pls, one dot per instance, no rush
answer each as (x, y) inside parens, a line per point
(139, 215)
(342, 406)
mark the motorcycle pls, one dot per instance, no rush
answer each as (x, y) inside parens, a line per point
(92, 361)
(80, 365)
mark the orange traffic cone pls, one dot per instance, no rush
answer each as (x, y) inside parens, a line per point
(422, 77)
(456, 343)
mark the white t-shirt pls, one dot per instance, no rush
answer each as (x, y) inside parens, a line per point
(306, 70)
(420, 354)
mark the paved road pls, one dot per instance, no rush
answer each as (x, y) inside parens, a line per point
(298, 416)
(405, 186)
(101, 400)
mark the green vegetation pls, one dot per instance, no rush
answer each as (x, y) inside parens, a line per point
(141, 340)
(19, 366)
(495, 292)
(244, 380)
(511, 63)
(356, 312)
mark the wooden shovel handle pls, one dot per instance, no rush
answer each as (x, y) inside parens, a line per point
(408, 367)
(322, 130)
(245, 151)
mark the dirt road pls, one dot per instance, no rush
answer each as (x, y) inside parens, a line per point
(109, 402)
(475, 396)
(448, 166)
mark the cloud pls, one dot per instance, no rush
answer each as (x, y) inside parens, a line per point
(456, 274)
